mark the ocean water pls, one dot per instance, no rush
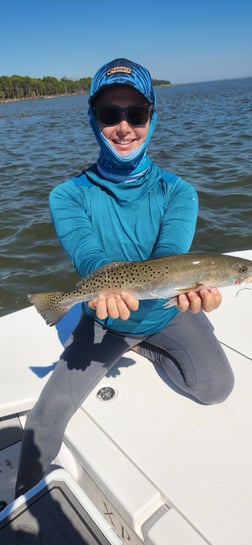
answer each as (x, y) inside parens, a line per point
(203, 133)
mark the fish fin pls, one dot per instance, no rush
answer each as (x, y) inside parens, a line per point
(172, 302)
(113, 265)
(196, 287)
(45, 305)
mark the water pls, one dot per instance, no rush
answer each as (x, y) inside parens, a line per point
(204, 134)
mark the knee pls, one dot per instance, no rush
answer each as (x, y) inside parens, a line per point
(217, 391)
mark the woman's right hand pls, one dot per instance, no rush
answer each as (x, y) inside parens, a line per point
(114, 306)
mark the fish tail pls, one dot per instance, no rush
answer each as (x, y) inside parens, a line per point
(46, 305)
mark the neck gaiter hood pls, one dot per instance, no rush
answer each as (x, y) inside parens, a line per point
(111, 164)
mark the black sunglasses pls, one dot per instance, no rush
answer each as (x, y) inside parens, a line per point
(112, 115)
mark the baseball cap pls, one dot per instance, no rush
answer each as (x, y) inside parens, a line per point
(122, 72)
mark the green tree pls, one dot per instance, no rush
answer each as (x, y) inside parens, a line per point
(19, 87)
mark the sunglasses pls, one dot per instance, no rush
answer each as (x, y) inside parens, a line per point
(112, 115)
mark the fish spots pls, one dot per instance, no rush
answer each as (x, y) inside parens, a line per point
(160, 277)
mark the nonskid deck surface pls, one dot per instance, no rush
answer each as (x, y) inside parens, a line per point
(148, 448)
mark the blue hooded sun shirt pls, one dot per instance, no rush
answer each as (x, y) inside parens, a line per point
(124, 208)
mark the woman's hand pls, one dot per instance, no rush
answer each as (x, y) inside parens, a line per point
(120, 306)
(204, 299)
(114, 306)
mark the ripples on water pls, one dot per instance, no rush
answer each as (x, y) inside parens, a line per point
(203, 133)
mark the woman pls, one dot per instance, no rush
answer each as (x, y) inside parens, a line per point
(124, 208)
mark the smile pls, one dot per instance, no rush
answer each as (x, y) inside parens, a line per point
(123, 142)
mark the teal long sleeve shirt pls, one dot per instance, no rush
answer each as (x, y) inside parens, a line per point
(99, 221)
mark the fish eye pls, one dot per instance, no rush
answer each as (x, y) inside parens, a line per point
(243, 269)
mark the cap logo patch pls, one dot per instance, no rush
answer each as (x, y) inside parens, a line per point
(117, 69)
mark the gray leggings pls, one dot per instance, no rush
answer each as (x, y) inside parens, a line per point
(187, 350)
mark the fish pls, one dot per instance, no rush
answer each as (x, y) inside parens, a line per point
(162, 277)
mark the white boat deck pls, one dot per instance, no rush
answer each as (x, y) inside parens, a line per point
(160, 467)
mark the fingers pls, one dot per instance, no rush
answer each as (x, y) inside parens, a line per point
(116, 306)
(206, 300)
(100, 306)
(211, 299)
(120, 306)
(131, 302)
(189, 301)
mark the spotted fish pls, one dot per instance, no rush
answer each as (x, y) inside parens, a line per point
(162, 277)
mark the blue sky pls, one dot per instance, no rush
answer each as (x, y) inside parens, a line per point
(182, 41)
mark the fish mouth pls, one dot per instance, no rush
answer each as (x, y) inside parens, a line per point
(239, 281)
(243, 280)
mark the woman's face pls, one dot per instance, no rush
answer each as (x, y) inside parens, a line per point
(123, 136)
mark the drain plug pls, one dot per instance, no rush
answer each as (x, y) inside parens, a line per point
(106, 393)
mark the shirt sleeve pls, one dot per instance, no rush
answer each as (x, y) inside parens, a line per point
(179, 219)
(73, 226)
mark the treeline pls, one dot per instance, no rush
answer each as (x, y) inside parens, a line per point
(160, 82)
(23, 87)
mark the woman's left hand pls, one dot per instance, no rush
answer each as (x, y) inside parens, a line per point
(204, 299)
(115, 306)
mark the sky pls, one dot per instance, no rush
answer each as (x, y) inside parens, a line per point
(179, 40)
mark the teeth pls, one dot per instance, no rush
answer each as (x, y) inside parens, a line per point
(123, 142)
